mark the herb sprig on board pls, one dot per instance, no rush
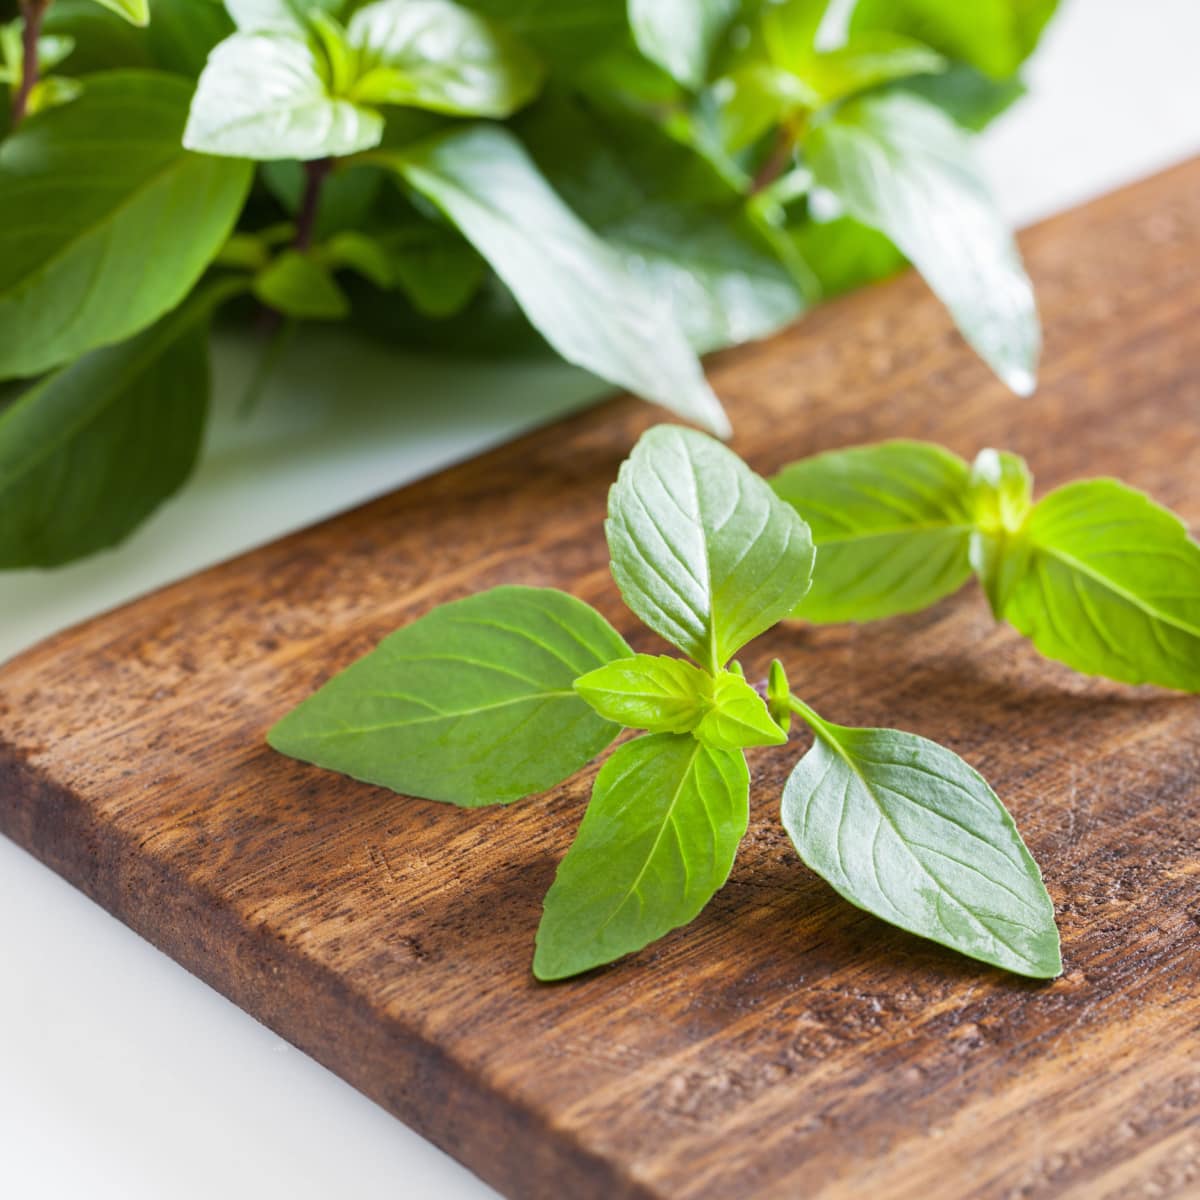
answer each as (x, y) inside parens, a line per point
(508, 692)
(631, 182)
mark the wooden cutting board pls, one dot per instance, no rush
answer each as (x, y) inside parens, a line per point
(785, 1045)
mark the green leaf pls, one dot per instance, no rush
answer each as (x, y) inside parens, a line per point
(972, 98)
(297, 285)
(51, 91)
(565, 35)
(670, 695)
(96, 245)
(1111, 586)
(437, 55)
(362, 253)
(51, 50)
(264, 96)
(905, 829)
(679, 227)
(136, 12)
(994, 36)
(866, 61)
(902, 166)
(434, 266)
(1000, 495)
(472, 704)
(90, 451)
(572, 287)
(657, 841)
(680, 35)
(348, 194)
(653, 692)
(702, 549)
(891, 526)
(843, 254)
(292, 17)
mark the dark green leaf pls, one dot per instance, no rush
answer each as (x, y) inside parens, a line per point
(702, 549)
(1111, 586)
(657, 841)
(891, 526)
(573, 287)
(472, 704)
(89, 452)
(905, 829)
(565, 34)
(972, 98)
(105, 221)
(900, 165)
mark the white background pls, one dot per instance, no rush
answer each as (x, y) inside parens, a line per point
(121, 1076)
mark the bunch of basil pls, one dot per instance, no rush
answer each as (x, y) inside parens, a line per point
(637, 181)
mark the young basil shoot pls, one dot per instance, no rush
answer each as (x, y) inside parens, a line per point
(510, 691)
(1095, 574)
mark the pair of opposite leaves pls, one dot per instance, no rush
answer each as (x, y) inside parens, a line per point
(506, 693)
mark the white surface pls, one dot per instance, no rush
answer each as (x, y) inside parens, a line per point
(121, 1075)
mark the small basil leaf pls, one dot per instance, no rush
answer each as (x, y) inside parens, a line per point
(657, 841)
(1111, 586)
(702, 549)
(471, 704)
(51, 91)
(90, 451)
(891, 527)
(1000, 495)
(904, 828)
(738, 716)
(680, 35)
(91, 249)
(653, 692)
(437, 55)
(297, 285)
(136, 12)
(573, 287)
(263, 96)
(865, 62)
(362, 253)
(843, 253)
(279, 16)
(433, 266)
(902, 166)
(972, 98)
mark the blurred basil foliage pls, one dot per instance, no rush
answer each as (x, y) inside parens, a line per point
(627, 182)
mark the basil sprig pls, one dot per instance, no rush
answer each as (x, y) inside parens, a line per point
(1095, 574)
(508, 692)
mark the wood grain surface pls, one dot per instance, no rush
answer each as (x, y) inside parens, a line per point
(784, 1045)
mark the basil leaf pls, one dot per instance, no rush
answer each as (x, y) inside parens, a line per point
(865, 62)
(702, 549)
(572, 287)
(297, 285)
(437, 55)
(90, 451)
(1000, 495)
(993, 35)
(905, 829)
(136, 12)
(679, 227)
(657, 841)
(680, 35)
(90, 242)
(654, 692)
(279, 16)
(900, 165)
(264, 96)
(738, 717)
(471, 704)
(891, 527)
(436, 269)
(1111, 586)
(566, 35)
(843, 254)
(970, 97)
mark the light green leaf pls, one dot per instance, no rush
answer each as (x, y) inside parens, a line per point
(51, 91)
(1000, 495)
(993, 35)
(653, 692)
(657, 841)
(90, 244)
(702, 549)
(279, 16)
(891, 526)
(437, 55)
(136, 12)
(904, 828)
(51, 50)
(866, 61)
(680, 35)
(844, 254)
(755, 96)
(264, 96)
(297, 285)
(362, 253)
(472, 704)
(90, 451)
(680, 228)
(900, 165)
(574, 289)
(737, 716)
(1111, 586)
